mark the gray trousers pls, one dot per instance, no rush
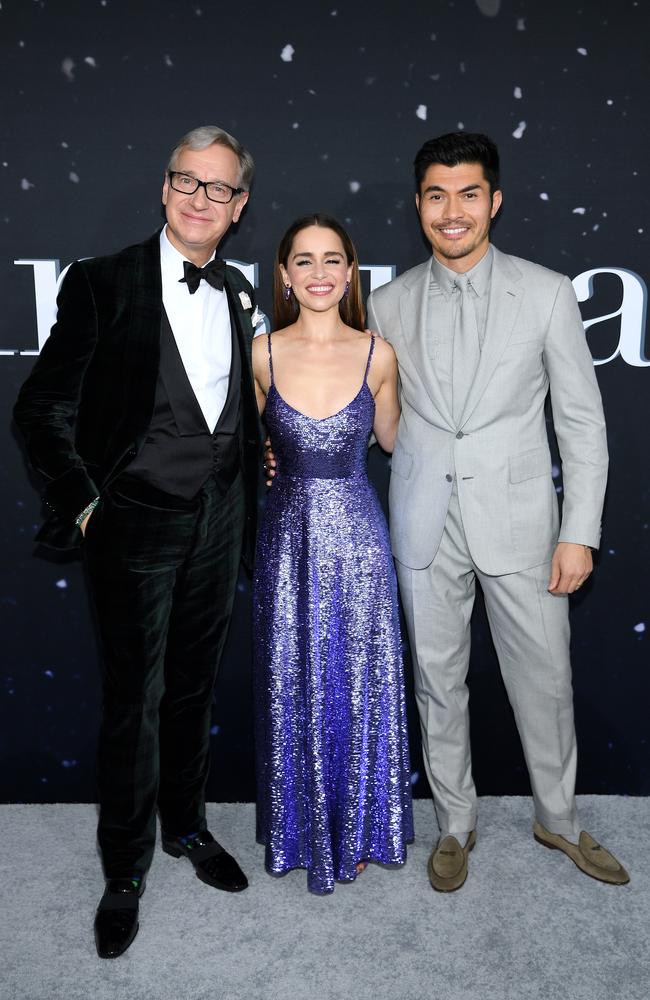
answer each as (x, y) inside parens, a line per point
(530, 630)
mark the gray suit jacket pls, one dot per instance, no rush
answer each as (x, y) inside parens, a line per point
(499, 452)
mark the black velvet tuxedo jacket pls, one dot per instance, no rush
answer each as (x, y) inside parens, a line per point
(85, 409)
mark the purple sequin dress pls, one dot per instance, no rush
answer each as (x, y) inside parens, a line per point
(332, 752)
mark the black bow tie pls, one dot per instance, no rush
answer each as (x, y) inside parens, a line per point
(214, 273)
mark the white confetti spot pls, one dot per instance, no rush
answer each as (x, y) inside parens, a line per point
(333, 13)
(640, 627)
(519, 131)
(67, 68)
(609, 102)
(64, 145)
(421, 112)
(287, 53)
(21, 44)
(640, 232)
(90, 61)
(49, 673)
(354, 186)
(489, 7)
(73, 177)
(596, 227)
(168, 60)
(579, 211)
(25, 184)
(521, 24)
(461, 125)
(555, 471)
(415, 777)
(296, 125)
(582, 52)
(544, 196)
(518, 94)
(62, 584)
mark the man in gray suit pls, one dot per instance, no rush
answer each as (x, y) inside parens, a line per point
(481, 338)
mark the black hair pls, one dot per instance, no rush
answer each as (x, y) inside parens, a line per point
(459, 147)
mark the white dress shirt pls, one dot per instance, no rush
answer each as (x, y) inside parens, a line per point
(201, 327)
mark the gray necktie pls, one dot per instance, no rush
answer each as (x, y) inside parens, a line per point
(467, 350)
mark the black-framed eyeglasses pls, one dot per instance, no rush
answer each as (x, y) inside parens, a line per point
(214, 190)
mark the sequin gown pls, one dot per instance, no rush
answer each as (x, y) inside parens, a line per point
(331, 740)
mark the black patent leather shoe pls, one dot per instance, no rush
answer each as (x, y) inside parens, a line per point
(116, 920)
(213, 864)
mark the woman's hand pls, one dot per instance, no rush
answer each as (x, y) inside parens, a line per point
(269, 462)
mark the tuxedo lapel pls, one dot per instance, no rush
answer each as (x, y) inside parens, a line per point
(143, 300)
(506, 296)
(414, 308)
(241, 320)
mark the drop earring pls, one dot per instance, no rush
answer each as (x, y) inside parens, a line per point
(347, 290)
(287, 292)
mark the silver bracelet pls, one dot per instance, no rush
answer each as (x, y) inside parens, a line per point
(86, 511)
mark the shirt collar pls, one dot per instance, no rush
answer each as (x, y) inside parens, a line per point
(479, 275)
(171, 259)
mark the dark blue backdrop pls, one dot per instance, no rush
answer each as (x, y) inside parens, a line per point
(333, 99)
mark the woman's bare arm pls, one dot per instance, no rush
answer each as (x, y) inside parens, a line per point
(387, 409)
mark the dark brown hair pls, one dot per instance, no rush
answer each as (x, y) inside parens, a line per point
(285, 311)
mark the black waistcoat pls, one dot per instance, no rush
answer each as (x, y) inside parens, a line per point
(179, 452)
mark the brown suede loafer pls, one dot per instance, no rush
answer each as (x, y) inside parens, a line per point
(448, 863)
(587, 854)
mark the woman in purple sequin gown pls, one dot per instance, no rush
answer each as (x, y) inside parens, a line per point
(332, 752)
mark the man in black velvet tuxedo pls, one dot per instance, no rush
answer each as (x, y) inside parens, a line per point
(140, 413)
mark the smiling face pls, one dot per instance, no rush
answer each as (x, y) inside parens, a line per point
(455, 209)
(317, 268)
(195, 225)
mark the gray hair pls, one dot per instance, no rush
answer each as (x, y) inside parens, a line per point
(208, 135)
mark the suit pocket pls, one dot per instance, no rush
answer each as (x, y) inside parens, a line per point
(520, 337)
(401, 463)
(531, 500)
(529, 465)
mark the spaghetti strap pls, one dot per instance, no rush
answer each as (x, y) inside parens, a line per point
(268, 341)
(370, 353)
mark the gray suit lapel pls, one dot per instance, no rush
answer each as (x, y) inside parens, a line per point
(506, 296)
(413, 306)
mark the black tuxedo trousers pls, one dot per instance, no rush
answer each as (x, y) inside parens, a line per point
(163, 580)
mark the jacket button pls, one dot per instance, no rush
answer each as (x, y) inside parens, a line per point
(460, 435)
(449, 478)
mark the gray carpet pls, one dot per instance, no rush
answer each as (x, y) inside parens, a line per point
(527, 924)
